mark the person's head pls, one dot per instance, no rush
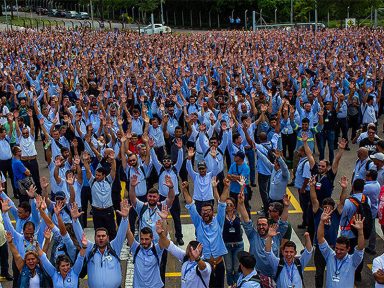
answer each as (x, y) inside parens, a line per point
(289, 251)
(153, 197)
(247, 262)
(178, 132)
(63, 264)
(380, 146)
(100, 174)
(16, 151)
(328, 203)
(237, 139)
(273, 121)
(358, 186)
(371, 133)
(101, 237)
(146, 237)
(192, 244)
(213, 142)
(60, 197)
(239, 157)
(3, 132)
(202, 167)
(323, 166)
(263, 137)
(262, 226)
(342, 247)
(362, 153)
(155, 122)
(31, 259)
(167, 161)
(25, 132)
(230, 204)
(61, 159)
(207, 212)
(371, 175)
(29, 230)
(132, 160)
(65, 152)
(24, 210)
(378, 159)
(329, 105)
(305, 124)
(55, 134)
(275, 210)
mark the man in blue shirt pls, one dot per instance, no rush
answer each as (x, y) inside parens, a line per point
(209, 231)
(19, 170)
(340, 265)
(248, 277)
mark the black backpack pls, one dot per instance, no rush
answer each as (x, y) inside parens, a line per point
(363, 208)
(296, 262)
(84, 270)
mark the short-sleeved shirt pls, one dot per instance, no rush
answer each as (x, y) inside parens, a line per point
(324, 183)
(101, 192)
(378, 263)
(303, 172)
(18, 169)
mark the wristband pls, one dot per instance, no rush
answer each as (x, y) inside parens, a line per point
(198, 260)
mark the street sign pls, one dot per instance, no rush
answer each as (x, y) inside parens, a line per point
(350, 22)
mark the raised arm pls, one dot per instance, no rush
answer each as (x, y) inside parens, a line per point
(308, 151)
(16, 255)
(184, 190)
(325, 218)
(358, 225)
(344, 193)
(313, 195)
(241, 208)
(335, 165)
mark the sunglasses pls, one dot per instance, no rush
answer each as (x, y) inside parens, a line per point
(167, 160)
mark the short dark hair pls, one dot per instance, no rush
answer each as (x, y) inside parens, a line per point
(343, 240)
(371, 174)
(27, 224)
(2, 129)
(15, 149)
(147, 230)
(26, 206)
(101, 170)
(235, 136)
(153, 191)
(358, 185)
(207, 204)
(62, 258)
(101, 229)
(329, 201)
(305, 120)
(289, 244)
(260, 218)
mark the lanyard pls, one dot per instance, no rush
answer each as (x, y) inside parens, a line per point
(361, 165)
(187, 269)
(338, 268)
(153, 213)
(289, 271)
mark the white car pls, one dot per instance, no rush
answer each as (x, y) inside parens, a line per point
(156, 29)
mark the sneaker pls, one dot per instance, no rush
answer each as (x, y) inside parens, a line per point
(180, 241)
(370, 251)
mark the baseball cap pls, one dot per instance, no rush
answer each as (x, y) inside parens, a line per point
(377, 156)
(201, 164)
(59, 194)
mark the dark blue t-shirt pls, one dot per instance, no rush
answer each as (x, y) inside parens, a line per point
(330, 231)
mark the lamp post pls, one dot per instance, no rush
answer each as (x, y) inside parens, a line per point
(276, 16)
(291, 11)
(348, 12)
(161, 9)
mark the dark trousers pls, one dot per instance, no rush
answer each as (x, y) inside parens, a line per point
(217, 276)
(320, 267)
(304, 199)
(163, 265)
(15, 274)
(353, 245)
(175, 212)
(6, 169)
(33, 166)
(105, 218)
(116, 200)
(86, 196)
(263, 182)
(132, 216)
(289, 142)
(354, 124)
(341, 124)
(327, 136)
(4, 259)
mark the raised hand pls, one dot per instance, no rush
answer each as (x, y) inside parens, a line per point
(304, 137)
(358, 222)
(213, 152)
(70, 179)
(58, 207)
(195, 253)
(168, 181)
(326, 215)
(134, 180)
(5, 207)
(159, 227)
(44, 182)
(43, 205)
(342, 143)
(47, 233)
(241, 181)
(84, 241)
(164, 212)
(124, 208)
(240, 198)
(312, 181)
(185, 185)
(226, 182)
(286, 200)
(214, 181)
(76, 160)
(179, 143)
(343, 182)
(191, 152)
(75, 211)
(151, 142)
(9, 237)
(272, 231)
(31, 191)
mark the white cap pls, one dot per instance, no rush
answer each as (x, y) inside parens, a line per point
(378, 156)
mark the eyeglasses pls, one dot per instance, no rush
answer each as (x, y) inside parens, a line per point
(167, 160)
(202, 168)
(230, 204)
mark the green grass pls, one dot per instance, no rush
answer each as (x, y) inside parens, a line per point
(25, 22)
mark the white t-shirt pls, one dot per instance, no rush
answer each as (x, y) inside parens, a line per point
(378, 263)
(27, 146)
(34, 282)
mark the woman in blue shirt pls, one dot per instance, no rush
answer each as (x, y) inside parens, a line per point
(64, 276)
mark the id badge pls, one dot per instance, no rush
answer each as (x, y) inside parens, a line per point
(149, 221)
(335, 278)
(232, 230)
(326, 120)
(318, 185)
(285, 130)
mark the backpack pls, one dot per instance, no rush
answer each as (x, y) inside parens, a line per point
(162, 169)
(254, 278)
(145, 208)
(363, 208)
(84, 271)
(154, 251)
(296, 262)
(366, 166)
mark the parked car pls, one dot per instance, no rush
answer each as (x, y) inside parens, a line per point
(71, 14)
(157, 29)
(82, 15)
(41, 11)
(53, 12)
(61, 13)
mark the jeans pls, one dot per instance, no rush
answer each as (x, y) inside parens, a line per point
(289, 142)
(250, 153)
(86, 196)
(4, 259)
(342, 124)
(105, 218)
(304, 199)
(263, 182)
(6, 168)
(232, 262)
(327, 136)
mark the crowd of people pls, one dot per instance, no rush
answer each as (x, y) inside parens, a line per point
(208, 120)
